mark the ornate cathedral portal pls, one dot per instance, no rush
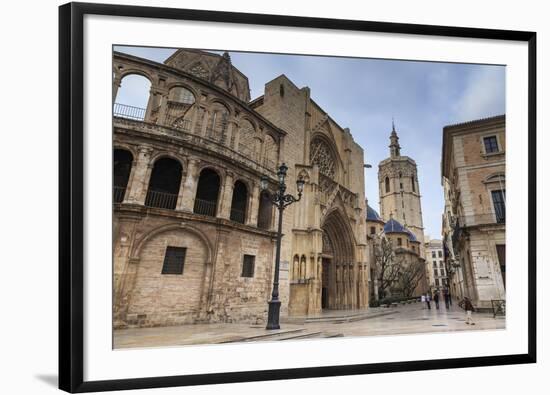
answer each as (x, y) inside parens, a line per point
(336, 273)
(339, 280)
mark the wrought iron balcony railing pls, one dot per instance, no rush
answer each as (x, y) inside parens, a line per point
(129, 112)
(205, 207)
(118, 194)
(161, 199)
(237, 215)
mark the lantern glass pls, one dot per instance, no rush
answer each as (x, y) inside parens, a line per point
(282, 173)
(300, 185)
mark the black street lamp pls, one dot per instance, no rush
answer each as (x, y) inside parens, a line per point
(281, 201)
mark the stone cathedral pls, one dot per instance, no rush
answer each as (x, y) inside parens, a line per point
(194, 236)
(399, 190)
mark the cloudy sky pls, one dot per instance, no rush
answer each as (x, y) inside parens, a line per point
(364, 95)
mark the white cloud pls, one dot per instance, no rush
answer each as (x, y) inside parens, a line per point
(483, 96)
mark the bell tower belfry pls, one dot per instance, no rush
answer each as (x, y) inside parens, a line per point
(399, 189)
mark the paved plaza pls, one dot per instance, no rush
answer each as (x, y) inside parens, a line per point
(403, 319)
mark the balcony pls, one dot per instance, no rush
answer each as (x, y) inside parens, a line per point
(237, 215)
(482, 219)
(129, 112)
(215, 139)
(161, 199)
(205, 207)
(118, 194)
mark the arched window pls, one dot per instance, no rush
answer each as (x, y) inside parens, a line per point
(164, 184)
(270, 159)
(238, 202)
(265, 211)
(247, 142)
(219, 119)
(321, 155)
(387, 181)
(208, 189)
(121, 173)
(179, 112)
(413, 185)
(132, 97)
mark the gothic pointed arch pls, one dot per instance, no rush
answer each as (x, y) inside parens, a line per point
(323, 154)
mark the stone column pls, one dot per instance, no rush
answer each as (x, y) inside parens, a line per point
(228, 132)
(253, 205)
(195, 119)
(116, 84)
(188, 187)
(226, 196)
(237, 133)
(137, 187)
(205, 120)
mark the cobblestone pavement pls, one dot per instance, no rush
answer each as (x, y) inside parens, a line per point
(406, 319)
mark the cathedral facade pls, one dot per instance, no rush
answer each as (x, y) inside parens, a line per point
(193, 235)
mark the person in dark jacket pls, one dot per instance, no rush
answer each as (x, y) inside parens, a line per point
(467, 305)
(436, 299)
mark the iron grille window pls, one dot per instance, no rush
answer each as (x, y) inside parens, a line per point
(372, 230)
(440, 253)
(491, 144)
(174, 259)
(433, 254)
(399, 241)
(248, 266)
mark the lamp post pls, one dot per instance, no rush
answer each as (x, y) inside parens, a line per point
(281, 201)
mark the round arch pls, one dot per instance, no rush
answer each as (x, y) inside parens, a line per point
(138, 247)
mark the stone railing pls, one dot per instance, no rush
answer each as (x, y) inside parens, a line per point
(200, 142)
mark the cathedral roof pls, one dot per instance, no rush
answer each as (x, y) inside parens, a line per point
(412, 237)
(393, 226)
(372, 214)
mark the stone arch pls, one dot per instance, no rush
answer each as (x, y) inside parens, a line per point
(498, 176)
(323, 153)
(271, 152)
(133, 106)
(166, 154)
(303, 264)
(207, 196)
(218, 121)
(186, 290)
(337, 290)
(164, 183)
(128, 147)
(133, 71)
(247, 135)
(123, 160)
(296, 267)
(138, 246)
(181, 106)
(239, 202)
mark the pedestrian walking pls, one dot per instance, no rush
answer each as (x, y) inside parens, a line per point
(467, 305)
(428, 301)
(436, 299)
(447, 297)
(423, 300)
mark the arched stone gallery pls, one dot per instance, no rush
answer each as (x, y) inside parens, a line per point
(194, 237)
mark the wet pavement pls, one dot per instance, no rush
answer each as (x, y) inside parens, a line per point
(403, 319)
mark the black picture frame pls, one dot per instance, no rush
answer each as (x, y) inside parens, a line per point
(71, 205)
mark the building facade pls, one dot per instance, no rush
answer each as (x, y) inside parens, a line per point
(193, 235)
(474, 180)
(435, 265)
